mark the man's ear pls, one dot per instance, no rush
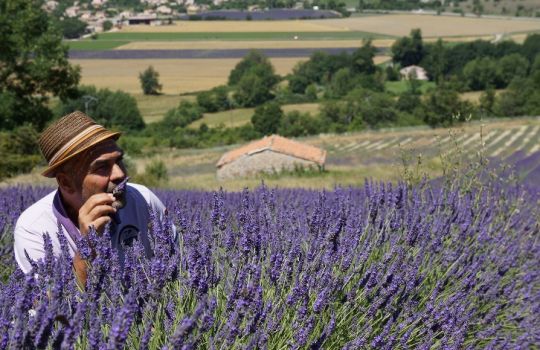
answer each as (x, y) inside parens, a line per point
(66, 182)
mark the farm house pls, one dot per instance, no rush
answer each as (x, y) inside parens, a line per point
(270, 154)
(413, 72)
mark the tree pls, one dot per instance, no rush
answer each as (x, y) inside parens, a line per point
(267, 118)
(487, 100)
(478, 8)
(107, 25)
(110, 108)
(480, 73)
(33, 64)
(252, 60)
(435, 61)
(72, 28)
(150, 81)
(443, 107)
(256, 87)
(362, 59)
(254, 79)
(342, 82)
(531, 46)
(512, 66)
(409, 50)
(295, 124)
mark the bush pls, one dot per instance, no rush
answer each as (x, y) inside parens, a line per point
(20, 151)
(113, 109)
(11, 165)
(150, 81)
(181, 116)
(155, 174)
(107, 25)
(133, 145)
(214, 100)
(294, 124)
(443, 107)
(72, 28)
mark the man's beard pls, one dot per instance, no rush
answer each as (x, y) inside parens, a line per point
(119, 192)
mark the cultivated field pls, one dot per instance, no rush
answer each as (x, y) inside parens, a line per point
(432, 26)
(176, 75)
(273, 44)
(393, 25)
(235, 26)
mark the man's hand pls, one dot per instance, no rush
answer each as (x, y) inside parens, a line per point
(96, 212)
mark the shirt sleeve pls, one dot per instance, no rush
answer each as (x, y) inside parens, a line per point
(28, 241)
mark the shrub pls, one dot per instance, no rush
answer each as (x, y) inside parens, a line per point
(155, 174)
(181, 116)
(214, 100)
(294, 124)
(72, 28)
(107, 25)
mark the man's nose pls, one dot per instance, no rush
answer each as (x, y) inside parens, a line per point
(118, 173)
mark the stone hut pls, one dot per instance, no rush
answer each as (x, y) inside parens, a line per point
(270, 154)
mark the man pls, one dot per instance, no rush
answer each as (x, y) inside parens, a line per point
(87, 164)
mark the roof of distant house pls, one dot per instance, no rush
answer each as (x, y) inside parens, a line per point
(278, 144)
(410, 68)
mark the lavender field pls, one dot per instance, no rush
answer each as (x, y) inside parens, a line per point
(448, 264)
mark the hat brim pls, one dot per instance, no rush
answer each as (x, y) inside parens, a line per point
(51, 169)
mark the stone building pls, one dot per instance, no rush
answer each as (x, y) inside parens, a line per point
(270, 154)
(413, 72)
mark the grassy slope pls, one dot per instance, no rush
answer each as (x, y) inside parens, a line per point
(153, 108)
(241, 116)
(399, 87)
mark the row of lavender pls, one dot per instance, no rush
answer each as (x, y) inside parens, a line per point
(383, 267)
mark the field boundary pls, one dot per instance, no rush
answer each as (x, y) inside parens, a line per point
(209, 54)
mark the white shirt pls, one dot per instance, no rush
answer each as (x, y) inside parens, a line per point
(47, 214)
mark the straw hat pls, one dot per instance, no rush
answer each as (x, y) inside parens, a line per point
(68, 137)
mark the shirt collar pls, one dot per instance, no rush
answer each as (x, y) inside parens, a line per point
(62, 217)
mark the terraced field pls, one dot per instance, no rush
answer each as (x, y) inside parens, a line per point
(497, 139)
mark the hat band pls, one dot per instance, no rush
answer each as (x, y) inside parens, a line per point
(69, 146)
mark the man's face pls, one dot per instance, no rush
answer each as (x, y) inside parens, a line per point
(101, 170)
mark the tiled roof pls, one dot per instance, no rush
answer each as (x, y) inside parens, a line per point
(278, 144)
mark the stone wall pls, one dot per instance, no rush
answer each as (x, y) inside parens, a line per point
(265, 161)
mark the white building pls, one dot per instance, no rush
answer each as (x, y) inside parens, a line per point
(413, 72)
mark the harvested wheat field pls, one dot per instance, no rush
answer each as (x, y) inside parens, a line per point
(176, 75)
(225, 45)
(432, 26)
(235, 26)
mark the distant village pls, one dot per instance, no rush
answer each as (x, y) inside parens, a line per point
(156, 12)
(99, 16)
